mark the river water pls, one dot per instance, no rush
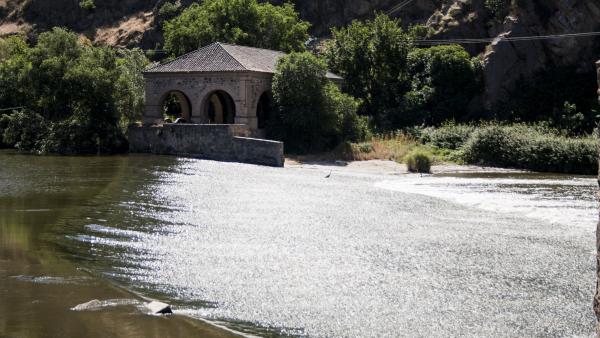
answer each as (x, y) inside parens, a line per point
(271, 251)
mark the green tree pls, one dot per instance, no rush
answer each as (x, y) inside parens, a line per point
(371, 56)
(311, 112)
(244, 22)
(79, 91)
(14, 72)
(443, 82)
(129, 92)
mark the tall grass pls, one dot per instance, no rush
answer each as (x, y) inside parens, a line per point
(393, 146)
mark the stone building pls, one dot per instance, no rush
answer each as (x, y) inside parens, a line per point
(216, 84)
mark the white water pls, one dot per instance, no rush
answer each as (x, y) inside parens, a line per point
(357, 256)
(569, 201)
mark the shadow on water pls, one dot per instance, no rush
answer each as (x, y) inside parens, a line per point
(42, 199)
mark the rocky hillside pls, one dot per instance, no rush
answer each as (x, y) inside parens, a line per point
(136, 23)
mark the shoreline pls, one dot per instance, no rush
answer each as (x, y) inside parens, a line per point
(389, 167)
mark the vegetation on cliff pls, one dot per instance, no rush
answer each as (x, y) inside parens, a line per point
(73, 97)
(244, 22)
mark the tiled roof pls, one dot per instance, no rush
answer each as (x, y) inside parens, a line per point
(222, 57)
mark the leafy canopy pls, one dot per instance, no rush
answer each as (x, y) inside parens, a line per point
(244, 22)
(443, 82)
(371, 56)
(80, 92)
(311, 112)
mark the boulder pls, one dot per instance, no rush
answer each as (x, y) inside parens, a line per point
(158, 308)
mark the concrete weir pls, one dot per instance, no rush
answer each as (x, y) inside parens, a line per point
(231, 143)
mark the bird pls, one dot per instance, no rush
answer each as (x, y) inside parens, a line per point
(328, 175)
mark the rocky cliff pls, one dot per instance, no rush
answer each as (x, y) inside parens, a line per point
(134, 23)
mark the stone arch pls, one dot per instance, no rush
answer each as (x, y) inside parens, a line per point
(264, 109)
(219, 107)
(182, 101)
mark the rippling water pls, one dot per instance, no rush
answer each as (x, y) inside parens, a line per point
(286, 251)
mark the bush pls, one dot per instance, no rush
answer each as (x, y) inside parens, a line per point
(167, 11)
(449, 136)
(419, 161)
(23, 130)
(87, 4)
(76, 136)
(525, 147)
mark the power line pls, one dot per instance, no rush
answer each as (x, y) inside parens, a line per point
(12, 108)
(504, 39)
(399, 7)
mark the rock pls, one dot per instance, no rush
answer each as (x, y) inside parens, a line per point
(91, 305)
(159, 308)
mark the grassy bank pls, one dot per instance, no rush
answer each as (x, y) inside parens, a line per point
(519, 146)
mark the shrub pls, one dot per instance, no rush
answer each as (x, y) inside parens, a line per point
(87, 4)
(525, 147)
(167, 11)
(23, 130)
(449, 136)
(419, 161)
(76, 136)
(497, 8)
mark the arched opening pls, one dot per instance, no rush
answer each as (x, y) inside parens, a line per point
(220, 108)
(264, 110)
(175, 105)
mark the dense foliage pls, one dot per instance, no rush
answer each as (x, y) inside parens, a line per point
(525, 147)
(443, 82)
(372, 58)
(70, 97)
(533, 147)
(311, 112)
(401, 85)
(449, 136)
(244, 22)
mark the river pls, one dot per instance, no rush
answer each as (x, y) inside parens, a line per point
(271, 251)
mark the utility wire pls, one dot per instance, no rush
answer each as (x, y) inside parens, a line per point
(12, 108)
(504, 39)
(398, 7)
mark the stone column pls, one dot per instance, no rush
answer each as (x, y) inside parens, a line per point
(597, 296)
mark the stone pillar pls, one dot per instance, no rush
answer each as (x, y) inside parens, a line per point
(597, 296)
(152, 113)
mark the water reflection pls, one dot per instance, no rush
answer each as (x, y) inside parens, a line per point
(286, 252)
(41, 200)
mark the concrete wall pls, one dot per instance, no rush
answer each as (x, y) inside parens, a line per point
(245, 88)
(214, 142)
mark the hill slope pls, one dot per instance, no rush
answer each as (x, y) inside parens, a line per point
(130, 23)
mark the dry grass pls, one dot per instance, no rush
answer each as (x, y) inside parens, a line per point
(392, 147)
(389, 147)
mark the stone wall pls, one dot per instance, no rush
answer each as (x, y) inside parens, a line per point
(229, 143)
(244, 88)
